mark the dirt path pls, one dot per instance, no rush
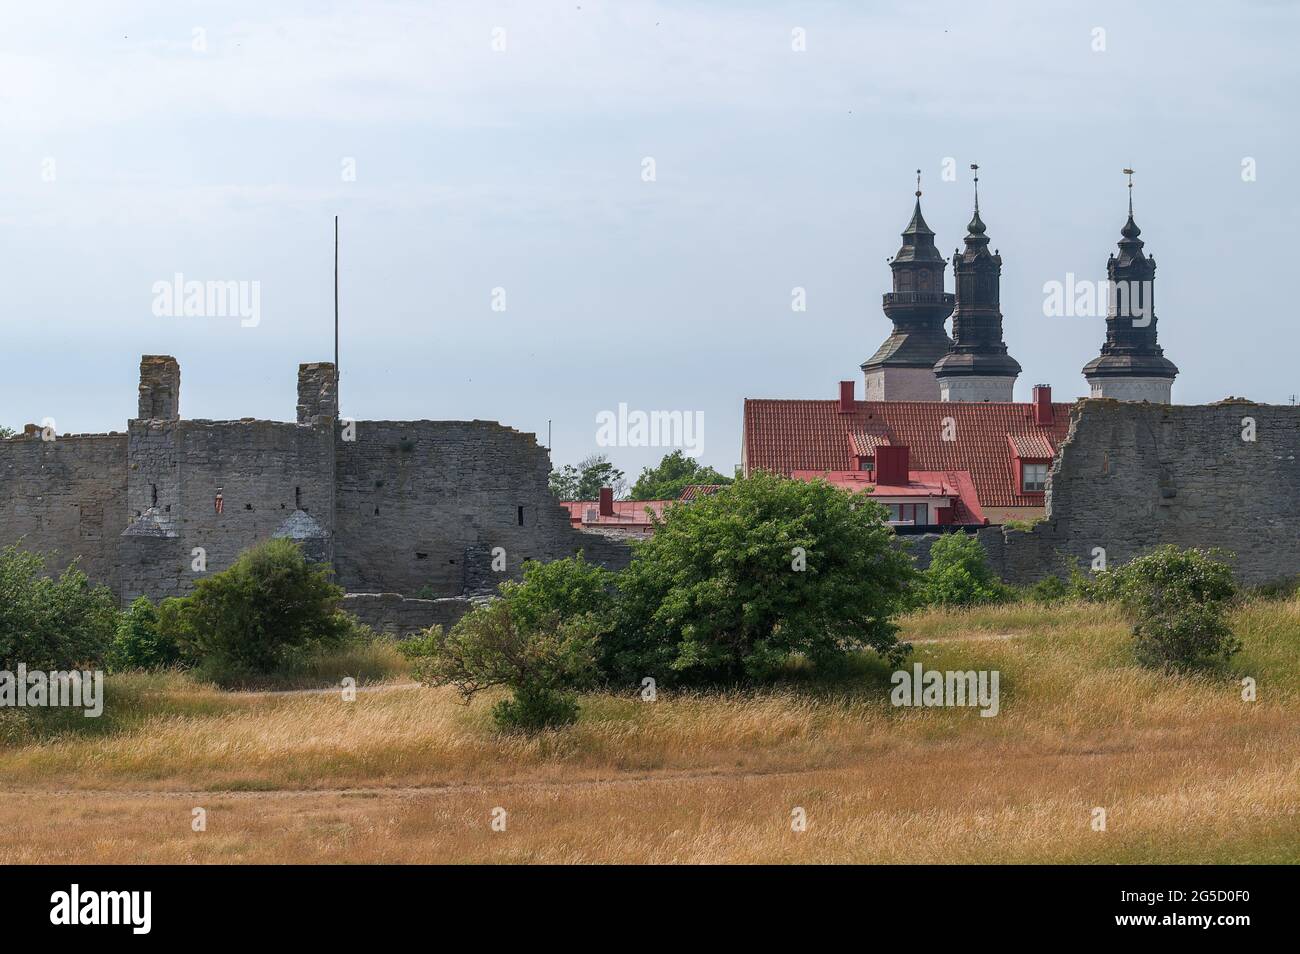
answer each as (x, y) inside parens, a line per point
(447, 788)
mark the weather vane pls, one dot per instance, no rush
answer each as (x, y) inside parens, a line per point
(1129, 173)
(976, 169)
(918, 183)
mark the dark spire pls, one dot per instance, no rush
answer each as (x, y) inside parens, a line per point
(1130, 357)
(978, 349)
(918, 306)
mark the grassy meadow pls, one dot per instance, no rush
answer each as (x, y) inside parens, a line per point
(1186, 770)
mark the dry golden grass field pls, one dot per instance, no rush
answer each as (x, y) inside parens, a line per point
(1186, 770)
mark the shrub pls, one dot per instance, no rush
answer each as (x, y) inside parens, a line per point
(1050, 589)
(541, 662)
(1177, 601)
(562, 588)
(532, 709)
(737, 583)
(959, 574)
(255, 616)
(51, 622)
(139, 643)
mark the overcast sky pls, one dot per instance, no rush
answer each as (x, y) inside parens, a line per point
(214, 140)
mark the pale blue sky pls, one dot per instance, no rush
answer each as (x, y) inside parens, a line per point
(522, 169)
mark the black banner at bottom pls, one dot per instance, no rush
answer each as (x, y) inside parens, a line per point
(334, 903)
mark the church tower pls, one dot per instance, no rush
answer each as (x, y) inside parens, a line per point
(902, 369)
(1131, 366)
(977, 366)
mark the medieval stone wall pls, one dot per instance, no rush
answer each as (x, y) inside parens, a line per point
(1130, 477)
(65, 498)
(422, 505)
(265, 471)
(401, 616)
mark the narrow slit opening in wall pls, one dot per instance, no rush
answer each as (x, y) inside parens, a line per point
(153, 495)
(297, 498)
(520, 515)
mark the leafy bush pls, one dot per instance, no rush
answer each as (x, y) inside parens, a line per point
(51, 622)
(959, 574)
(258, 614)
(541, 662)
(1178, 602)
(739, 582)
(139, 643)
(1050, 589)
(532, 709)
(565, 588)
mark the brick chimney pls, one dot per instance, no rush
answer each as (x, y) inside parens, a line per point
(606, 506)
(892, 465)
(846, 397)
(160, 388)
(1043, 404)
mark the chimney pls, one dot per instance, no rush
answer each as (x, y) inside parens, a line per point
(606, 508)
(316, 397)
(160, 388)
(892, 465)
(846, 397)
(1043, 404)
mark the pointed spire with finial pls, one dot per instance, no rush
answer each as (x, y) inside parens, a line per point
(917, 226)
(1130, 245)
(976, 226)
(918, 238)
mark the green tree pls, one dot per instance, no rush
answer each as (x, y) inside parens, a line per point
(1177, 601)
(564, 482)
(138, 643)
(739, 582)
(51, 622)
(7, 432)
(538, 639)
(959, 574)
(667, 480)
(584, 481)
(252, 617)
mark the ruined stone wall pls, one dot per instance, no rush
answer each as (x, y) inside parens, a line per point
(1133, 476)
(422, 504)
(65, 498)
(264, 470)
(399, 616)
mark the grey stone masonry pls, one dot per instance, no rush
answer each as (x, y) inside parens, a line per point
(316, 392)
(160, 388)
(1130, 477)
(401, 616)
(439, 508)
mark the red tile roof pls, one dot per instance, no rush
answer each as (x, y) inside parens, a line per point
(954, 484)
(627, 513)
(864, 444)
(1031, 446)
(784, 436)
(691, 491)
